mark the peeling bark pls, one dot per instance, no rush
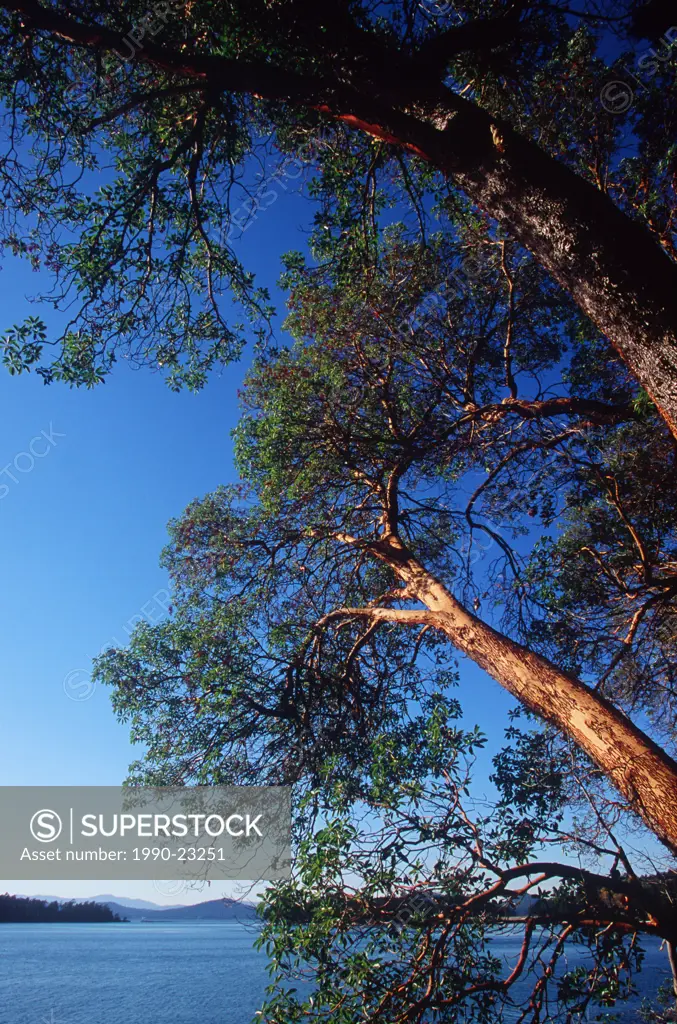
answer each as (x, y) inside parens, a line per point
(641, 771)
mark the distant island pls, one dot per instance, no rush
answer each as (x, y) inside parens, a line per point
(22, 909)
(223, 909)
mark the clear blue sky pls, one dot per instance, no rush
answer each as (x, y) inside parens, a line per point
(80, 536)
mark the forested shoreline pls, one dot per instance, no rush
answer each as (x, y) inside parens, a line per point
(22, 909)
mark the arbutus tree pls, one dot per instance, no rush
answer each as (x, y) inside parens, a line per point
(326, 580)
(320, 603)
(501, 100)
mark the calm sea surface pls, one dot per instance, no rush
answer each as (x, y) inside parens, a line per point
(175, 973)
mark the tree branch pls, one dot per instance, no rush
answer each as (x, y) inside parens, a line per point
(477, 35)
(424, 617)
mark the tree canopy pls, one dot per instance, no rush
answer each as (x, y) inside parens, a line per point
(422, 470)
(129, 130)
(466, 450)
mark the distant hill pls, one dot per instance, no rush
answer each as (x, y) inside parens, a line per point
(122, 901)
(211, 910)
(137, 910)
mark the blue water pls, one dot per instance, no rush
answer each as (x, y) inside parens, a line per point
(174, 973)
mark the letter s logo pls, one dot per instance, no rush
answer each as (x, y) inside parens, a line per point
(46, 826)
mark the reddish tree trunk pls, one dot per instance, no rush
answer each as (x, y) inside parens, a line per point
(610, 264)
(615, 271)
(633, 763)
